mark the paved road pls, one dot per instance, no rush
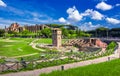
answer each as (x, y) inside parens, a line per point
(67, 66)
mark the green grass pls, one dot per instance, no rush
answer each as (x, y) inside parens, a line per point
(11, 49)
(20, 46)
(36, 57)
(110, 68)
(47, 64)
(17, 47)
(112, 45)
(45, 41)
(111, 48)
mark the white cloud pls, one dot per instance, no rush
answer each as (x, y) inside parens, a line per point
(62, 20)
(2, 3)
(36, 14)
(37, 20)
(74, 14)
(94, 14)
(113, 21)
(104, 6)
(100, 0)
(89, 26)
(7, 22)
(29, 17)
(117, 5)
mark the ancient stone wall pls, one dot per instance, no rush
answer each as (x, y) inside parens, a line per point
(85, 43)
(34, 28)
(101, 44)
(14, 27)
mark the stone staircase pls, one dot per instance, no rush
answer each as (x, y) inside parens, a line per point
(78, 42)
(84, 43)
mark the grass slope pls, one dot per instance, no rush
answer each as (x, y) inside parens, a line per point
(16, 47)
(44, 40)
(47, 40)
(110, 68)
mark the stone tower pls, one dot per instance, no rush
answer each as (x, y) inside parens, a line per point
(56, 37)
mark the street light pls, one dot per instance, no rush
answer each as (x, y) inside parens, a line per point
(107, 33)
(96, 33)
(5, 31)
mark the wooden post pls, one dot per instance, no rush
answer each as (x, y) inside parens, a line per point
(2, 67)
(108, 58)
(32, 64)
(17, 65)
(119, 54)
(62, 67)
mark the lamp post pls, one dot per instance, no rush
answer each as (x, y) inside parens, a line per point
(96, 33)
(119, 53)
(107, 33)
(5, 31)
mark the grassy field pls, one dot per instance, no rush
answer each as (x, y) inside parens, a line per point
(16, 47)
(110, 68)
(48, 40)
(45, 41)
(19, 46)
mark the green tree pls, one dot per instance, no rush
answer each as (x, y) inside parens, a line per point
(12, 33)
(2, 32)
(64, 32)
(102, 31)
(25, 33)
(72, 33)
(46, 32)
(111, 46)
(39, 33)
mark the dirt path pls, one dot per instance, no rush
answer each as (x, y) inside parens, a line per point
(8, 40)
(24, 55)
(33, 44)
(66, 66)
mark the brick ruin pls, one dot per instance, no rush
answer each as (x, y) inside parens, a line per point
(86, 42)
(56, 37)
(33, 28)
(14, 27)
(79, 43)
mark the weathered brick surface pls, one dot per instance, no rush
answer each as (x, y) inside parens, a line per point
(101, 44)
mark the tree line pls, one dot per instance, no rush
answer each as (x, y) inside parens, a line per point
(105, 32)
(68, 31)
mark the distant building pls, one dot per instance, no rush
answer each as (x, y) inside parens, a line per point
(17, 28)
(13, 27)
(35, 28)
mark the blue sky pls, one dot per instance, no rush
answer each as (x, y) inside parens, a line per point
(86, 14)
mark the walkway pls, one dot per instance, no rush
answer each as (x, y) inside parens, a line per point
(66, 66)
(33, 44)
(24, 55)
